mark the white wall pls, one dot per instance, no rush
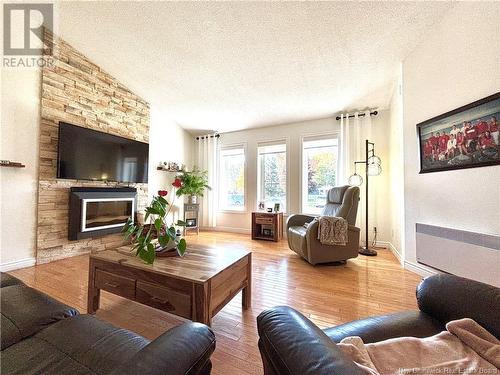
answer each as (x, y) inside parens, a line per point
(457, 63)
(20, 118)
(396, 170)
(292, 133)
(167, 142)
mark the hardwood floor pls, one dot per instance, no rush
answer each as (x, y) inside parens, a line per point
(328, 295)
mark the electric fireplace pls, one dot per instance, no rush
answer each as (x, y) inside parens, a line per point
(97, 212)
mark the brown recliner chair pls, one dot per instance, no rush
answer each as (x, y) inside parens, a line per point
(341, 201)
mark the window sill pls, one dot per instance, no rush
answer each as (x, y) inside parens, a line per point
(232, 211)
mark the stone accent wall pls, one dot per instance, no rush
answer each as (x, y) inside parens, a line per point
(77, 91)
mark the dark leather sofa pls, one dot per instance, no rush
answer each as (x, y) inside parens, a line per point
(40, 335)
(289, 343)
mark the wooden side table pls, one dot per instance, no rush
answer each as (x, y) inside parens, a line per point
(267, 226)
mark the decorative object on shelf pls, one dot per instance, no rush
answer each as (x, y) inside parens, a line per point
(170, 166)
(191, 217)
(267, 226)
(466, 137)
(276, 207)
(262, 205)
(373, 167)
(269, 209)
(157, 238)
(193, 184)
(11, 164)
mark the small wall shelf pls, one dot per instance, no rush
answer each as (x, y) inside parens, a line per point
(11, 164)
(168, 170)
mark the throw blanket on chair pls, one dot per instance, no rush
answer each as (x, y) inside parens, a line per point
(332, 230)
(464, 348)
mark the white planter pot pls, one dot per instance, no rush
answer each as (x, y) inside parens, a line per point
(193, 199)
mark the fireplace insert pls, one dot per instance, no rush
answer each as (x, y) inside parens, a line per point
(97, 212)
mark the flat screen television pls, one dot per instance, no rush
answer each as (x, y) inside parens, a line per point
(85, 154)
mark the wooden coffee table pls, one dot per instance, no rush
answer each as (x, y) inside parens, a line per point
(196, 286)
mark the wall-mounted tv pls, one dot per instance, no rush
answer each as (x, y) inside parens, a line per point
(85, 154)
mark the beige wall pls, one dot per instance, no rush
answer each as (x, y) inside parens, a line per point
(292, 133)
(457, 63)
(77, 91)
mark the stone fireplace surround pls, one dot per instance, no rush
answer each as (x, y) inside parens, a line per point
(79, 92)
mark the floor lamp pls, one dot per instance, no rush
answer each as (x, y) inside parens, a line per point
(372, 168)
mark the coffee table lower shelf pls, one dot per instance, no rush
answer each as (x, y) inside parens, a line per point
(192, 299)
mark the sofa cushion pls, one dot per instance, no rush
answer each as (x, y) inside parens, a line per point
(379, 328)
(26, 311)
(81, 344)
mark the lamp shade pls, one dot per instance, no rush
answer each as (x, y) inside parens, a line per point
(374, 159)
(374, 169)
(355, 180)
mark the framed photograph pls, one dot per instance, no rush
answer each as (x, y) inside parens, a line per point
(277, 207)
(466, 137)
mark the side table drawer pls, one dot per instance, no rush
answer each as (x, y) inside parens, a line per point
(116, 284)
(264, 220)
(191, 207)
(164, 298)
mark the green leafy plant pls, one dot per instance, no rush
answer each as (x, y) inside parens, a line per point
(143, 236)
(193, 183)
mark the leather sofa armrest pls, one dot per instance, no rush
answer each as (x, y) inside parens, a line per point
(8, 280)
(290, 344)
(449, 297)
(26, 311)
(352, 228)
(379, 328)
(183, 350)
(298, 220)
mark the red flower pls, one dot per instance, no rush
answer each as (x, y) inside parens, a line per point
(162, 193)
(177, 183)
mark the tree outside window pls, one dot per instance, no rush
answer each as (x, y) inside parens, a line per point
(232, 179)
(319, 171)
(272, 175)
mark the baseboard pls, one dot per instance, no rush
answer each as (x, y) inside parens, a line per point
(393, 249)
(17, 264)
(420, 269)
(227, 229)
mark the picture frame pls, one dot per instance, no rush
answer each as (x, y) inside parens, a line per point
(466, 137)
(267, 232)
(277, 207)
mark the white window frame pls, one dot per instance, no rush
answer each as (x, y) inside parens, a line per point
(226, 147)
(305, 138)
(279, 141)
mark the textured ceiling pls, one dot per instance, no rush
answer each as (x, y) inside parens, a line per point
(232, 65)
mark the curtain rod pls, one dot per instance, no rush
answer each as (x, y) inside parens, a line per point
(374, 113)
(208, 136)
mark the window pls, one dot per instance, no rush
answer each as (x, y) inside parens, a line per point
(271, 174)
(232, 179)
(319, 171)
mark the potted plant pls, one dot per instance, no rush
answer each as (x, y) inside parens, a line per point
(193, 184)
(158, 236)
